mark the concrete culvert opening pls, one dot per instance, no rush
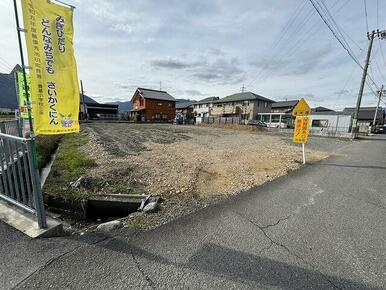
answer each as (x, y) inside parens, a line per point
(100, 208)
(108, 207)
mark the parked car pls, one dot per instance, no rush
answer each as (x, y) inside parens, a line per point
(280, 125)
(178, 120)
(257, 123)
(378, 129)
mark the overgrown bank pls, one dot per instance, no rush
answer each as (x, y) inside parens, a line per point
(75, 174)
(70, 164)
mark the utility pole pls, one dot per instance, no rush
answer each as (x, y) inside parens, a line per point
(361, 88)
(160, 86)
(379, 101)
(242, 89)
(381, 35)
(84, 103)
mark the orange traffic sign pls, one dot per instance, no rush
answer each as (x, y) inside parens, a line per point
(301, 109)
(302, 128)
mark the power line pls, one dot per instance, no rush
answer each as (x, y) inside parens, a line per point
(284, 35)
(367, 23)
(334, 32)
(296, 43)
(378, 13)
(383, 56)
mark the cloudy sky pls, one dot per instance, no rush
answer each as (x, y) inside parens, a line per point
(280, 49)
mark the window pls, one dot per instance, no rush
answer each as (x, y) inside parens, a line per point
(164, 116)
(265, 104)
(206, 105)
(141, 102)
(158, 116)
(200, 106)
(246, 103)
(320, 123)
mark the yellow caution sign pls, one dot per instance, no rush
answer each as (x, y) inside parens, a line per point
(301, 109)
(302, 128)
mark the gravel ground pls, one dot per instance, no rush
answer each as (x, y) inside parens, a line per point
(191, 166)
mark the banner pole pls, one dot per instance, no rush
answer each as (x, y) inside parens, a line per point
(41, 221)
(23, 70)
(304, 153)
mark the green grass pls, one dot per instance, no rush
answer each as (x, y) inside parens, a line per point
(46, 146)
(70, 164)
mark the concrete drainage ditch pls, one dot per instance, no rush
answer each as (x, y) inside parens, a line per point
(103, 208)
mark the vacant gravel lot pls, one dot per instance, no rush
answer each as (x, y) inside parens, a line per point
(190, 166)
(167, 159)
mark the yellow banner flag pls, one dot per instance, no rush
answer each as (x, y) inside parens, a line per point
(54, 77)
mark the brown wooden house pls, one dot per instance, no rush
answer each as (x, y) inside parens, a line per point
(152, 105)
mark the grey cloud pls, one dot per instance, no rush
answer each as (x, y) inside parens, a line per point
(220, 70)
(193, 93)
(170, 63)
(306, 63)
(269, 64)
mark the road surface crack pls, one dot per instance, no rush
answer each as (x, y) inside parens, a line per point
(142, 271)
(273, 242)
(278, 221)
(52, 260)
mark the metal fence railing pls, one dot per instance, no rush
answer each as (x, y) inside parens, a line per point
(11, 127)
(222, 120)
(19, 179)
(108, 117)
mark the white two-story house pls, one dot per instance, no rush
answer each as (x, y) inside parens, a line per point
(244, 105)
(203, 108)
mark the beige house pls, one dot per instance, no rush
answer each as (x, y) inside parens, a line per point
(244, 105)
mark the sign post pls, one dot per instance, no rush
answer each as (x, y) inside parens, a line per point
(302, 112)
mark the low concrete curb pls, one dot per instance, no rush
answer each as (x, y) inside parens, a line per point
(27, 223)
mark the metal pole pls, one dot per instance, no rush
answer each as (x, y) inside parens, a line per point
(20, 120)
(23, 67)
(84, 104)
(360, 94)
(304, 153)
(376, 109)
(39, 207)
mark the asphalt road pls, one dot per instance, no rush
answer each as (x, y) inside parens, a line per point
(321, 227)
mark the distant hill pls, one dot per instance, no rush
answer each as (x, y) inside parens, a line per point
(88, 99)
(123, 106)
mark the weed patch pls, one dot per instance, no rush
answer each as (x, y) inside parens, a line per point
(70, 164)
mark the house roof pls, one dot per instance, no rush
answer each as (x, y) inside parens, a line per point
(156, 95)
(284, 104)
(247, 96)
(208, 100)
(366, 113)
(8, 96)
(330, 113)
(321, 109)
(184, 105)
